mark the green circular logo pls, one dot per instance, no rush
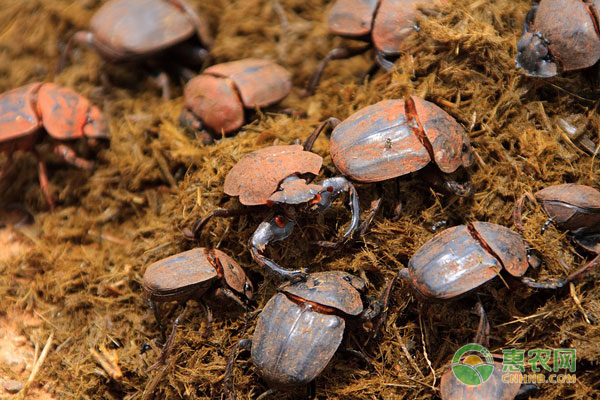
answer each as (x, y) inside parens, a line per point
(472, 364)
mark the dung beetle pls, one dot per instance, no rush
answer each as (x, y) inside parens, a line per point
(571, 207)
(205, 275)
(29, 111)
(216, 98)
(479, 364)
(301, 327)
(280, 177)
(385, 23)
(134, 30)
(494, 388)
(559, 35)
(393, 138)
(465, 257)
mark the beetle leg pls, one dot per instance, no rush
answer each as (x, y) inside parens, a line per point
(358, 355)
(384, 62)
(200, 24)
(209, 319)
(244, 344)
(234, 297)
(335, 54)
(546, 225)
(375, 206)
(168, 346)
(190, 55)
(529, 18)
(332, 188)
(483, 329)
(155, 307)
(517, 211)
(328, 123)
(271, 230)
(81, 37)
(66, 153)
(43, 175)
(161, 80)
(194, 233)
(559, 283)
(311, 390)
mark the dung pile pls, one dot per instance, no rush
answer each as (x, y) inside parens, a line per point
(81, 276)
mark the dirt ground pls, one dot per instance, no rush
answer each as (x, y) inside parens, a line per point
(70, 280)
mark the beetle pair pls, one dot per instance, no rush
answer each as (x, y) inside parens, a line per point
(386, 140)
(29, 111)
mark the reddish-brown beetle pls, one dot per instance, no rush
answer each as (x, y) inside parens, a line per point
(559, 35)
(131, 30)
(280, 177)
(301, 327)
(205, 275)
(28, 111)
(495, 388)
(216, 99)
(465, 257)
(571, 207)
(386, 23)
(393, 138)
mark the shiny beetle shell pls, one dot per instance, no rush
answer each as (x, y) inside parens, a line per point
(191, 273)
(125, 29)
(219, 95)
(554, 40)
(396, 137)
(464, 257)
(572, 207)
(316, 337)
(180, 276)
(258, 174)
(296, 336)
(335, 289)
(492, 389)
(388, 21)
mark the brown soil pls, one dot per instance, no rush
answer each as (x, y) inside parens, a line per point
(81, 266)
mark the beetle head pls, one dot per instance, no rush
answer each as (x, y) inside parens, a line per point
(534, 56)
(95, 126)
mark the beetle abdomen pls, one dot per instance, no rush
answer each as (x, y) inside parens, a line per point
(292, 344)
